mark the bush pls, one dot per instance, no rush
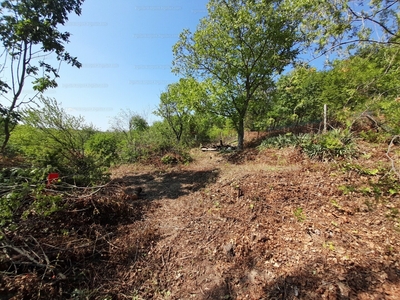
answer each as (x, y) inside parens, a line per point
(176, 156)
(333, 144)
(169, 159)
(22, 192)
(372, 136)
(286, 140)
(103, 147)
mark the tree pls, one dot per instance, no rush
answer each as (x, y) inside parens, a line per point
(180, 105)
(332, 25)
(298, 96)
(138, 123)
(131, 129)
(129, 124)
(29, 32)
(237, 48)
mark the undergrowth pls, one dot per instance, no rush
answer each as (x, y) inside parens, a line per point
(333, 144)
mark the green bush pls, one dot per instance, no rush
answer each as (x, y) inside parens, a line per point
(22, 191)
(372, 136)
(103, 147)
(169, 159)
(333, 144)
(286, 140)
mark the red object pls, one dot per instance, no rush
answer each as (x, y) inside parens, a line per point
(51, 178)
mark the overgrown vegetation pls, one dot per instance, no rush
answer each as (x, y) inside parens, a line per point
(331, 145)
(234, 67)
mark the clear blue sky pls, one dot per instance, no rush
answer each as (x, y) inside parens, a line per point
(125, 47)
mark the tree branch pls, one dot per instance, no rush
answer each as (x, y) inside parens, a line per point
(392, 162)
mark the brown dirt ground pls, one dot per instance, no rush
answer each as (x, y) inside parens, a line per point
(254, 225)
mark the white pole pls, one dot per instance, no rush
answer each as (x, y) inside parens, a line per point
(324, 118)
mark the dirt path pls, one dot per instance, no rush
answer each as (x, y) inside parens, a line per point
(273, 227)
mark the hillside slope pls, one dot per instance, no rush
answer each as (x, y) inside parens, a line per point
(255, 225)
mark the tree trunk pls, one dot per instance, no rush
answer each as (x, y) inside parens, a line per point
(6, 134)
(240, 133)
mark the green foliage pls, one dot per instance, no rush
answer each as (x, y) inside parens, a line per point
(182, 107)
(237, 49)
(364, 84)
(345, 23)
(381, 183)
(169, 159)
(103, 147)
(51, 137)
(373, 136)
(138, 123)
(223, 131)
(133, 136)
(175, 157)
(287, 140)
(298, 213)
(22, 188)
(297, 97)
(43, 205)
(331, 145)
(363, 170)
(29, 30)
(346, 189)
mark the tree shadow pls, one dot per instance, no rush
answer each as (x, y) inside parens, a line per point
(304, 283)
(170, 185)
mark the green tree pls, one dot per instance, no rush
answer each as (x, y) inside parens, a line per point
(129, 123)
(367, 81)
(298, 96)
(29, 32)
(131, 129)
(181, 107)
(344, 24)
(138, 123)
(237, 48)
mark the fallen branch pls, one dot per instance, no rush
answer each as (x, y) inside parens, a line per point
(393, 166)
(22, 252)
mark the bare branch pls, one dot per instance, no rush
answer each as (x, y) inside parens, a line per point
(392, 162)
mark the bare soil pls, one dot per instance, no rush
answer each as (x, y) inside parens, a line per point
(249, 225)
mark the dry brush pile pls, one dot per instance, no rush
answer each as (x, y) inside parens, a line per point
(254, 225)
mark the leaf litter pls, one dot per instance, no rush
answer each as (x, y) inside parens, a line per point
(266, 224)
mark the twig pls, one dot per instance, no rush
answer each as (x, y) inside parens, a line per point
(91, 194)
(24, 253)
(44, 254)
(393, 168)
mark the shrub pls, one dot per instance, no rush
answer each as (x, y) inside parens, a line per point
(103, 147)
(22, 192)
(333, 144)
(372, 136)
(169, 159)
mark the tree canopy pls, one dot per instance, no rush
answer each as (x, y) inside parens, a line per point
(238, 48)
(329, 26)
(29, 33)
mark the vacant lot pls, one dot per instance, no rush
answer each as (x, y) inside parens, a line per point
(254, 225)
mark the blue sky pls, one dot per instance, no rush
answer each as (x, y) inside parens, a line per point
(125, 47)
